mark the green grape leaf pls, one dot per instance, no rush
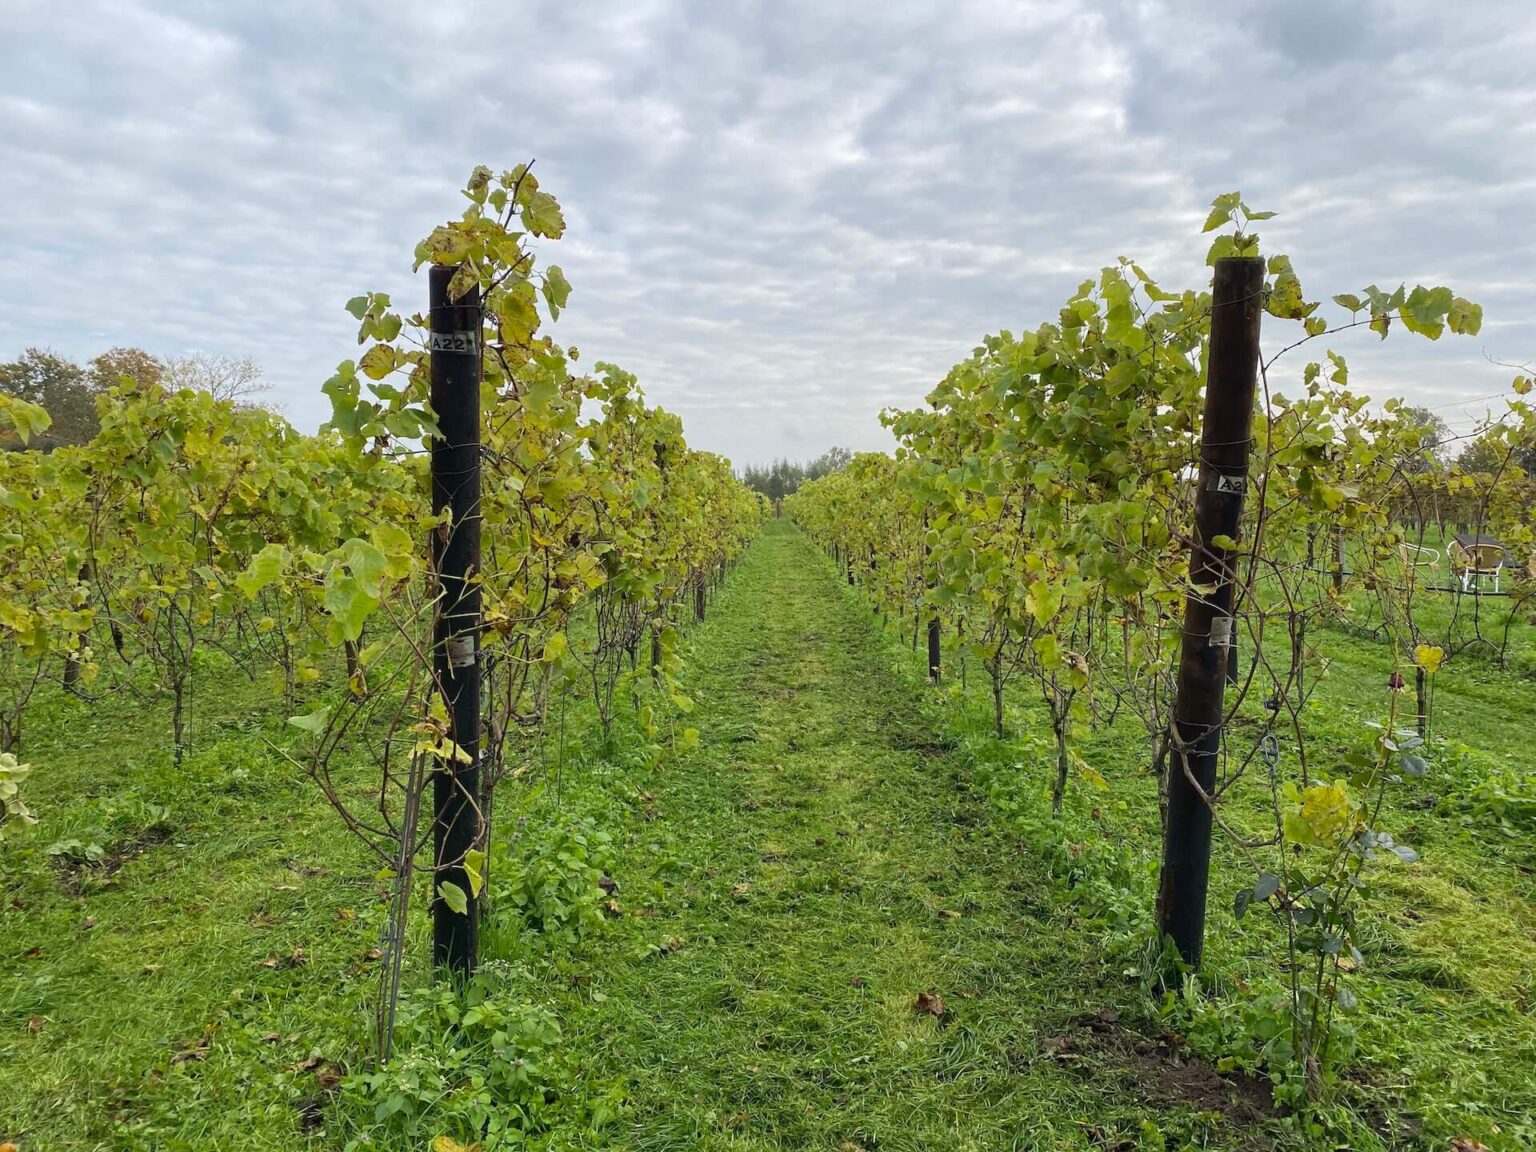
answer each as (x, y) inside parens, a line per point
(313, 722)
(454, 896)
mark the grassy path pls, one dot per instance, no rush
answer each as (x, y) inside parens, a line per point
(845, 955)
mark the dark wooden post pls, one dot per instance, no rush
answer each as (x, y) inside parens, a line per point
(454, 343)
(1421, 701)
(935, 651)
(1237, 303)
(1299, 652)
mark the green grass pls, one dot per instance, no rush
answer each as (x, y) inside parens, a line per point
(832, 866)
(842, 843)
(1494, 628)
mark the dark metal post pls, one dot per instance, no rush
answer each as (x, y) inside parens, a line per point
(455, 333)
(1237, 303)
(1421, 701)
(934, 647)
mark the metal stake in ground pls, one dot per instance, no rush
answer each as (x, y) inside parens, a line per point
(935, 649)
(454, 341)
(1225, 440)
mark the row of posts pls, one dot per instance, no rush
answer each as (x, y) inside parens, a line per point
(455, 328)
(1207, 655)
(454, 333)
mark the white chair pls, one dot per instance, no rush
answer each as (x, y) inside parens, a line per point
(1474, 556)
(1417, 556)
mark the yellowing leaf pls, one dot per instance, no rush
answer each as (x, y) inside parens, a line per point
(1325, 816)
(378, 362)
(474, 868)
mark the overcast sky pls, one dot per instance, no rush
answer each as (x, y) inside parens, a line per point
(782, 216)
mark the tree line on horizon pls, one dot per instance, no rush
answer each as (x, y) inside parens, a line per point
(783, 477)
(68, 390)
(1440, 449)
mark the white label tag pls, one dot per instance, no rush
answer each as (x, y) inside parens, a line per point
(1221, 632)
(461, 652)
(463, 342)
(1228, 485)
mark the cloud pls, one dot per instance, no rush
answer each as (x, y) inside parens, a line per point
(782, 217)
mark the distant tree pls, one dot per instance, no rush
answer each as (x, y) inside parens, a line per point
(783, 477)
(829, 461)
(1434, 436)
(115, 365)
(59, 385)
(239, 379)
(1485, 454)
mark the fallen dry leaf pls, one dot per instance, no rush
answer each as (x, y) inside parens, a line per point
(1459, 1144)
(197, 1051)
(35, 1024)
(931, 1003)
